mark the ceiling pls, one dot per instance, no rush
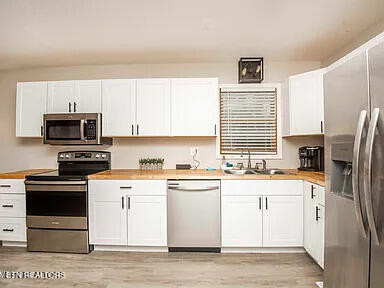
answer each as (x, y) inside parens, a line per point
(38, 33)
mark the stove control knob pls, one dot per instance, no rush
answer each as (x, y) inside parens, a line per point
(67, 156)
(61, 156)
(97, 156)
(103, 156)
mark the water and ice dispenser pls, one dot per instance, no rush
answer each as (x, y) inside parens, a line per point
(341, 156)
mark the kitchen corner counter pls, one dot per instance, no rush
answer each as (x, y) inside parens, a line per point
(131, 174)
(22, 173)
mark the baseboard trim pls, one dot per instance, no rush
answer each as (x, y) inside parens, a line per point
(129, 248)
(263, 250)
(14, 244)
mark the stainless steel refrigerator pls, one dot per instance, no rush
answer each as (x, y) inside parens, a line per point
(354, 167)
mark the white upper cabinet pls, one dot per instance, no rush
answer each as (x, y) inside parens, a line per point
(283, 221)
(31, 103)
(60, 96)
(153, 107)
(194, 107)
(304, 111)
(119, 107)
(87, 97)
(81, 96)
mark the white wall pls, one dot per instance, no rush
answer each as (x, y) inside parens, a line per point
(22, 153)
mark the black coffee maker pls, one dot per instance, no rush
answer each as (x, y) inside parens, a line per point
(311, 158)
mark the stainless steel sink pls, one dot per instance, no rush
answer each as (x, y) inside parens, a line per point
(239, 172)
(272, 172)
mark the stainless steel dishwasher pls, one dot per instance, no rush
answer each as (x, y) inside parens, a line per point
(194, 215)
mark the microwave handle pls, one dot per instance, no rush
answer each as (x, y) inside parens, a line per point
(83, 123)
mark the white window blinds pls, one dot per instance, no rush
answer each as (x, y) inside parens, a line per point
(248, 121)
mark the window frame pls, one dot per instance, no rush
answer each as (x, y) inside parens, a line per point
(249, 87)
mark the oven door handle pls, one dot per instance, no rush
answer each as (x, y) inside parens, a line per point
(83, 123)
(32, 182)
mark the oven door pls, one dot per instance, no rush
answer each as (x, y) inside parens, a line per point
(72, 129)
(56, 204)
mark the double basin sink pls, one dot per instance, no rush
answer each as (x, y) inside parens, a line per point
(256, 172)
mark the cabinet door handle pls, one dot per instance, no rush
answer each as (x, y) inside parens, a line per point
(74, 106)
(7, 206)
(317, 213)
(132, 129)
(321, 127)
(312, 194)
(137, 129)
(129, 203)
(5, 186)
(260, 203)
(42, 130)
(69, 107)
(122, 202)
(215, 129)
(8, 230)
(266, 203)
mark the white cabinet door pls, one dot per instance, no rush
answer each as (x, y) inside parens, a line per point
(147, 220)
(107, 214)
(242, 221)
(194, 107)
(306, 105)
(153, 107)
(119, 107)
(320, 235)
(60, 96)
(31, 104)
(283, 221)
(308, 217)
(87, 97)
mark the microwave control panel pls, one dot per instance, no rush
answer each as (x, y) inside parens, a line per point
(91, 129)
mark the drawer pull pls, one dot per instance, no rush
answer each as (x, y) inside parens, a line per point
(5, 186)
(7, 206)
(8, 230)
(125, 187)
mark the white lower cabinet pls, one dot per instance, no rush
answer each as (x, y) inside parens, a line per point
(314, 216)
(12, 210)
(107, 214)
(132, 212)
(147, 220)
(251, 217)
(283, 221)
(242, 221)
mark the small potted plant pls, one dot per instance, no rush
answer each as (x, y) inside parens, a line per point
(151, 163)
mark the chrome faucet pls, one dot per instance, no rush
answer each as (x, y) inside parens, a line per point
(249, 166)
(264, 165)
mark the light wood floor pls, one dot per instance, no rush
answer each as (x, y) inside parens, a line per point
(144, 270)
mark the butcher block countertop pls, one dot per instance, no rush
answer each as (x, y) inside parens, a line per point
(131, 174)
(22, 173)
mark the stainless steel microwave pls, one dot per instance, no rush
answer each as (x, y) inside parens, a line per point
(74, 129)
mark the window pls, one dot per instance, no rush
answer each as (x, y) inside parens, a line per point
(249, 119)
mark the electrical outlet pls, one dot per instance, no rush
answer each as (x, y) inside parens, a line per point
(194, 151)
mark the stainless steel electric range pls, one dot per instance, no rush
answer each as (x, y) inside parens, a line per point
(57, 203)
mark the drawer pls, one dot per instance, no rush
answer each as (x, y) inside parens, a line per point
(12, 186)
(261, 187)
(129, 187)
(13, 229)
(12, 205)
(243, 187)
(320, 194)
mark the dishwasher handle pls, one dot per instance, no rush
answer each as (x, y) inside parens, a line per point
(183, 188)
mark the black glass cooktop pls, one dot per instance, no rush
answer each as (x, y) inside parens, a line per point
(54, 175)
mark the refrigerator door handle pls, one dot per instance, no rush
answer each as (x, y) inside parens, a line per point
(368, 174)
(362, 124)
